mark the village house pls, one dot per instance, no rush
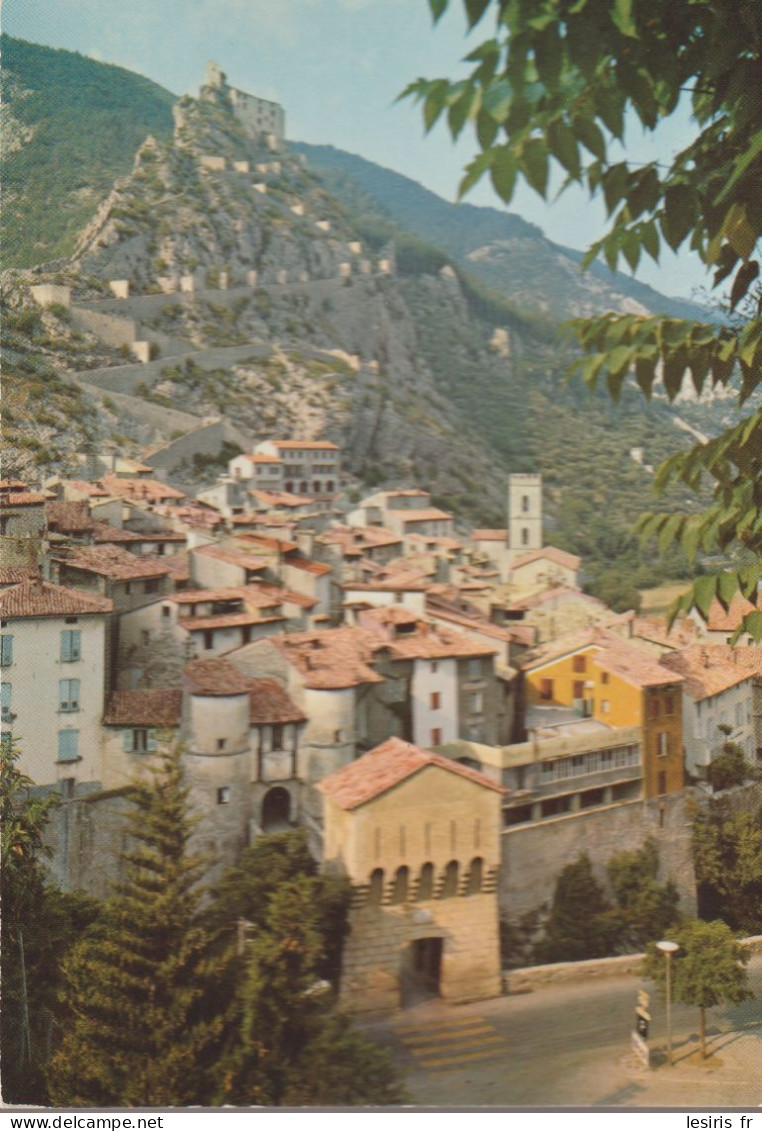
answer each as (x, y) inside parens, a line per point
(308, 467)
(722, 701)
(53, 653)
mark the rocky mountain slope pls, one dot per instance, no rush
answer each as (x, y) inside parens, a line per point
(307, 320)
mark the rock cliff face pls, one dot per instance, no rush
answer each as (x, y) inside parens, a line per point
(264, 300)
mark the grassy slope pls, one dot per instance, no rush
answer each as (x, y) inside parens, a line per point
(87, 119)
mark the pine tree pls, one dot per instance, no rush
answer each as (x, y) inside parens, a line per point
(144, 986)
(581, 924)
(39, 923)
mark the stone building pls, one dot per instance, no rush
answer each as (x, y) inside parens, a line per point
(261, 118)
(417, 835)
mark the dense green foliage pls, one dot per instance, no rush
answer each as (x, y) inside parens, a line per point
(289, 1046)
(707, 970)
(729, 767)
(39, 923)
(727, 855)
(583, 923)
(552, 88)
(145, 991)
(82, 122)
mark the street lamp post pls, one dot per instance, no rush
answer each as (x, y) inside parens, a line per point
(668, 948)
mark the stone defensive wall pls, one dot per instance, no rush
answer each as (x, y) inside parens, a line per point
(156, 416)
(113, 329)
(533, 855)
(206, 440)
(126, 378)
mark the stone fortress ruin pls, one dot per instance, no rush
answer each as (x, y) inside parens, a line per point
(259, 117)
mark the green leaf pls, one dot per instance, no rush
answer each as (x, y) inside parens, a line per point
(475, 9)
(564, 148)
(589, 134)
(475, 170)
(745, 276)
(704, 589)
(679, 216)
(438, 8)
(622, 18)
(669, 531)
(503, 173)
(752, 623)
(650, 237)
(496, 100)
(727, 587)
(751, 151)
(534, 163)
(434, 102)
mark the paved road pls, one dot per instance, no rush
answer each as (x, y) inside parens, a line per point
(569, 1046)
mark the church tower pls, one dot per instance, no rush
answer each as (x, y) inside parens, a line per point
(524, 514)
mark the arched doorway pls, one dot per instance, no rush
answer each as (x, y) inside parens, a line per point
(421, 970)
(276, 810)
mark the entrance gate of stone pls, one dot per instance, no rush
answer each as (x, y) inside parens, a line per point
(422, 970)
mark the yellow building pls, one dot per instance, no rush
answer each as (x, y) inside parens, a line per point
(620, 684)
(419, 838)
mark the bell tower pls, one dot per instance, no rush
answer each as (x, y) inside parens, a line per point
(524, 514)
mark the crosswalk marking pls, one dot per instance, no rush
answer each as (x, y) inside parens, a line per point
(446, 1061)
(452, 1035)
(468, 1046)
(421, 1027)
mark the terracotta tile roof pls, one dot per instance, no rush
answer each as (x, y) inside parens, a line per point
(320, 445)
(158, 707)
(561, 593)
(489, 536)
(93, 490)
(330, 659)
(398, 583)
(269, 703)
(634, 666)
(15, 575)
(308, 566)
(22, 499)
(225, 620)
(69, 518)
(712, 668)
(112, 561)
(178, 566)
(12, 485)
(551, 554)
(281, 498)
(728, 620)
(104, 532)
(363, 537)
(287, 596)
(41, 599)
(386, 767)
(268, 543)
(148, 490)
(436, 641)
(258, 457)
(232, 557)
(682, 634)
(214, 677)
(426, 514)
(390, 614)
(515, 633)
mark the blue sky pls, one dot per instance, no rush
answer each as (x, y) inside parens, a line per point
(337, 67)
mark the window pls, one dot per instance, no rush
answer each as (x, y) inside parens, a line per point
(208, 639)
(68, 695)
(221, 743)
(662, 785)
(739, 714)
(474, 669)
(376, 886)
(578, 689)
(68, 746)
(476, 702)
(436, 736)
(450, 885)
(166, 611)
(139, 740)
(426, 882)
(669, 704)
(579, 663)
(475, 876)
(433, 667)
(546, 689)
(604, 677)
(605, 706)
(338, 736)
(606, 756)
(524, 536)
(223, 795)
(525, 503)
(71, 645)
(662, 744)
(128, 586)
(278, 737)
(6, 650)
(653, 708)
(5, 702)
(435, 700)
(401, 883)
(151, 585)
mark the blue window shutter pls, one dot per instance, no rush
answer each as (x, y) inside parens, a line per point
(127, 741)
(68, 745)
(152, 744)
(6, 653)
